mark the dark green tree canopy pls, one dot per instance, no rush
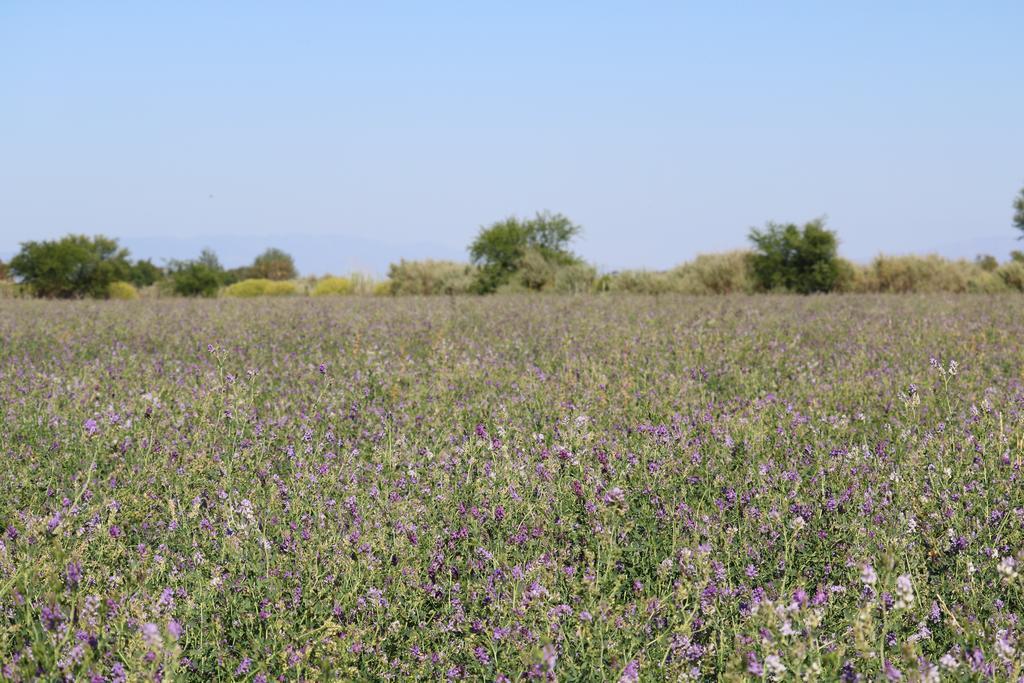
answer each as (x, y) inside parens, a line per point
(274, 264)
(501, 249)
(144, 273)
(73, 266)
(789, 258)
(200, 277)
(1018, 213)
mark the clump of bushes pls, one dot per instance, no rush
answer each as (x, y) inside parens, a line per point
(726, 273)
(260, 287)
(1012, 274)
(333, 286)
(577, 278)
(793, 259)
(430, 277)
(636, 282)
(72, 267)
(932, 273)
(197, 277)
(901, 274)
(123, 291)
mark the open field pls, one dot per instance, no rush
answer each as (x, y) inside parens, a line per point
(513, 488)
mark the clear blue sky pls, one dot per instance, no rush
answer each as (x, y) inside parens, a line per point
(355, 133)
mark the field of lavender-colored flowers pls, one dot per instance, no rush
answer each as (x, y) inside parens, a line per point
(543, 488)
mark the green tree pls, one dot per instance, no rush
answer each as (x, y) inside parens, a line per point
(71, 267)
(273, 264)
(798, 260)
(987, 262)
(503, 249)
(1018, 213)
(199, 277)
(233, 275)
(144, 273)
(3, 270)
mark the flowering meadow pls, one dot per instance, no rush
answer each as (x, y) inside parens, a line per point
(506, 489)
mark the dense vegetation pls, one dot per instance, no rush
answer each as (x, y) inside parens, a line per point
(570, 488)
(517, 255)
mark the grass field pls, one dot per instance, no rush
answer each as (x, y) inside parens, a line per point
(539, 488)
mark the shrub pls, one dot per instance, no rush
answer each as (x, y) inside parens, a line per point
(510, 246)
(73, 266)
(200, 277)
(727, 273)
(983, 281)
(1012, 275)
(233, 275)
(363, 283)
(793, 259)
(260, 287)
(578, 278)
(333, 286)
(273, 264)
(123, 291)
(902, 274)
(11, 290)
(637, 282)
(987, 262)
(144, 273)
(431, 277)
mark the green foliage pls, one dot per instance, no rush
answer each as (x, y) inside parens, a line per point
(200, 277)
(987, 262)
(144, 273)
(233, 275)
(1017, 256)
(904, 274)
(273, 264)
(726, 273)
(1012, 275)
(637, 282)
(333, 286)
(790, 259)
(427, 278)
(363, 284)
(5, 271)
(575, 278)
(503, 249)
(260, 287)
(123, 291)
(849, 276)
(12, 290)
(72, 267)
(1018, 213)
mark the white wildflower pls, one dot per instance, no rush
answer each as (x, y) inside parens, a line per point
(773, 664)
(868, 576)
(1007, 568)
(904, 592)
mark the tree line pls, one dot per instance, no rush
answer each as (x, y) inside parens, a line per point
(514, 255)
